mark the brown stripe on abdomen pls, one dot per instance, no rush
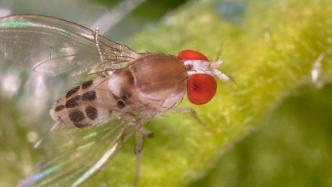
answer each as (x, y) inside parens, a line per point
(76, 116)
(59, 108)
(80, 125)
(72, 91)
(87, 84)
(91, 112)
(73, 102)
(89, 96)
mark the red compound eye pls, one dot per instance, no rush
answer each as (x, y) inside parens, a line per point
(191, 55)
(201, 88)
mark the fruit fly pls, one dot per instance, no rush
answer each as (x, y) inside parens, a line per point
(127, 90)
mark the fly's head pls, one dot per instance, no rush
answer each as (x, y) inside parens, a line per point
(202, 74)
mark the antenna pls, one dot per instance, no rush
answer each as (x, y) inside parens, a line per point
(217, 63)
(219, 52)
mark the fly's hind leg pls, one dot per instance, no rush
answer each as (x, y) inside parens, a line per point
(138, 150)
(139, 141)
(40, 141)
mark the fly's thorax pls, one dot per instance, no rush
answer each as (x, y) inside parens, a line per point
(121, 83)
(160, 80)
(121, 88)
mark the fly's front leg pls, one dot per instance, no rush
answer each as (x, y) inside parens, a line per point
(193, 114)
(96, 36)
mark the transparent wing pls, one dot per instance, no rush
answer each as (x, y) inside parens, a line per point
(80, 154)
(56, 46)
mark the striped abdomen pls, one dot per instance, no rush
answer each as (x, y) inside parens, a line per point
(83, 105)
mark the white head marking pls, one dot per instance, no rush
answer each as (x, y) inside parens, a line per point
(205, 67)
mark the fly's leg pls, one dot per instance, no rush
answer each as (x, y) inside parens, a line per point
(40, 141)
(194, 115)
(101, 162)
(104, 71)
(100, 67)
(140, 134)
(95, 36)
(138, 150)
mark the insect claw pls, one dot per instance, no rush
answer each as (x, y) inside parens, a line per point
(147, 133)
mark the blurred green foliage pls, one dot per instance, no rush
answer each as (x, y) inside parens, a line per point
(293, 146)
(269, 47)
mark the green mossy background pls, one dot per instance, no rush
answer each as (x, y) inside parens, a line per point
(292, 147)
(272, 125)
(269, 48)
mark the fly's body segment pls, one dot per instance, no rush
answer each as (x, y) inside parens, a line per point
(150, 86)
(133, 88)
